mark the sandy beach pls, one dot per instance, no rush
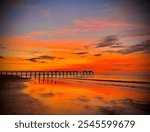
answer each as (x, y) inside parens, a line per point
(13, 101)
(58, 96)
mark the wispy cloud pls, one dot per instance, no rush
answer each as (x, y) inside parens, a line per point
(108, 51)
(111, 41)
(1, 57)
(142, 47)
(47, 57)
(43, 57)
(2, 47)
(97, 54)
(83, 99)
(81, 53)
(32, 59)
(92, 25)
(43, 62)
(100, 24)
(138, 34)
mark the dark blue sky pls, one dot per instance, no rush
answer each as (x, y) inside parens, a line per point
(21, 16)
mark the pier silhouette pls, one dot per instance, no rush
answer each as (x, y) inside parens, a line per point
(45, 74)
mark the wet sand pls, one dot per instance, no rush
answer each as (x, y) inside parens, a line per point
(76, 97)
(14, 102)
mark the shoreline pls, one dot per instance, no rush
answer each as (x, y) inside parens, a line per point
(123, 81)
(14, 102)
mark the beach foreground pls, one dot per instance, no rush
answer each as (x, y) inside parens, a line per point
(64, 96)
(13, 101)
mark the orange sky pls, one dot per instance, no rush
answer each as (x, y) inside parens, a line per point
(69, 55)
(81, 40)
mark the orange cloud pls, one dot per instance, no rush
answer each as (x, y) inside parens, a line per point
(88, 25)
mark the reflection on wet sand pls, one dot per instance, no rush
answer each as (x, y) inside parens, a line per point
(88, 97)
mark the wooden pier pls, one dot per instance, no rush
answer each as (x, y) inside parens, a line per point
(46, 74)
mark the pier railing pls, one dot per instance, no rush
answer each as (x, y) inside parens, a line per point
(45, 74)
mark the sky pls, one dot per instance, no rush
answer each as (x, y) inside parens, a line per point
(106, 36)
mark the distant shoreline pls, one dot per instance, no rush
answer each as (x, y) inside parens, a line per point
(103, 80)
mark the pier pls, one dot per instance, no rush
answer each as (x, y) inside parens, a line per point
(46, 74)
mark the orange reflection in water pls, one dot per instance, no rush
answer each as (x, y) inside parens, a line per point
(86, 97)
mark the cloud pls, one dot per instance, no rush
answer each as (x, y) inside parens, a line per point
(2, 47)
(111, 41)
(43, 62)
(80, 53)
(101, 24)
(83, 99)
(116, 46)
(142, 47)
(108, 51)
(61, 58)
(1, 57)
(93, 25)
(138, 34)
(45, 57)
(32, 59)
(97, 54)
